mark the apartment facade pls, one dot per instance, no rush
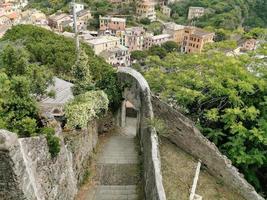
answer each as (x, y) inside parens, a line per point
(103, 43)
(84, 15)
(110, 25)
(150, 41)
(175, 30)
(78, 6)
(166, 10)
(132, 38)
(55, 20)
(195, 39)
(4, 20)
(146, 9)
(195, 12)
(118, 56)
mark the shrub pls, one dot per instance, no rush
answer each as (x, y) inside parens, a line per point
(53, 141)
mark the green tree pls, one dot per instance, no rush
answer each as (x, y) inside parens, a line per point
(81, 74)
(145, 21)
(170, 46)
(138, 55)
(227, 100)
(157, 51)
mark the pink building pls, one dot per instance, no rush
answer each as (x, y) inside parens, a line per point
(111, 24)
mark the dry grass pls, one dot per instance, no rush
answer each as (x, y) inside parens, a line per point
(178, 170)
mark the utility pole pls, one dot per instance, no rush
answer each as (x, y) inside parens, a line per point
(75, 28)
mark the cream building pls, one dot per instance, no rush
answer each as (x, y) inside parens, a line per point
(103, 43)
(118, 56)
(150, 41)
(166, 10)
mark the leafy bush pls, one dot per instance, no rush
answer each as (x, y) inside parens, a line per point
(145, 21)
(226, 96)
(57, 53)
(85, 107)
(53, 141)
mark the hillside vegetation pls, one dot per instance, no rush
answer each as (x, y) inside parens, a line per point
(225, 96)
(29, 57)
(229, 14)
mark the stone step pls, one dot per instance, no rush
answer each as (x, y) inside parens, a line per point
(118, 174)
(116, 192)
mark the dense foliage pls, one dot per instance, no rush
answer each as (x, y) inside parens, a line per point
(29, 58)
(58, 54)
(49, 6)
(228, 14)
(85, 107)
(225, 96)
(21, 83)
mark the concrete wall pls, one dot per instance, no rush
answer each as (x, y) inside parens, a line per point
(27, 170)
(185, 135)
(138, 93)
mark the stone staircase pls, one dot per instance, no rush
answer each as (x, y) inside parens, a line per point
(118, 173)
(116, 192)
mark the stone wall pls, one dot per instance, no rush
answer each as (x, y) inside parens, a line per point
(183, 133)
(27, 170)
(138, 93)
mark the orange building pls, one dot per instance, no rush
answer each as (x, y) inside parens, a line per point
(195, 39)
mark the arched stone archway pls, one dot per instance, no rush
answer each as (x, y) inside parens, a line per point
(138, 93)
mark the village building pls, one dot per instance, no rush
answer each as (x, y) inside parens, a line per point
(55, 20)
(195, 12)
(166, 11)
(146, 9)
(63, 94)
(118, 56)
(135, 38)
(110, 25)
(150, 41)
(103, 43)
(195, 39)
(78, 7)
(4, 20)
(35, 17)
(175, 30)
(84, 15)
(248, 45)
(132, 38)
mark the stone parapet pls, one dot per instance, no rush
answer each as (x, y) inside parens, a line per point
(183, 133)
